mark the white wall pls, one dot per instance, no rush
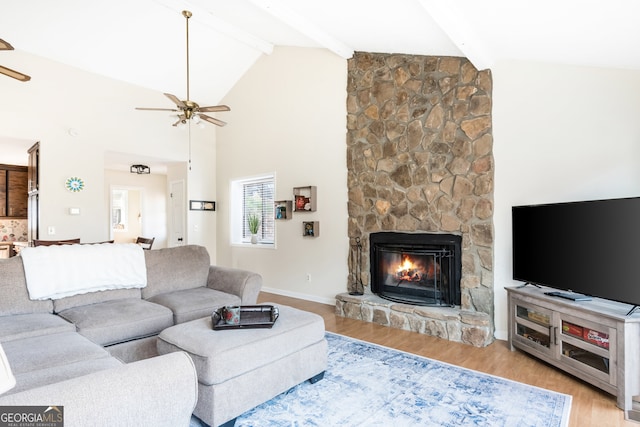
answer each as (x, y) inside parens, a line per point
(201, 185)
(288, 116)
(102, 111)
(561, 133)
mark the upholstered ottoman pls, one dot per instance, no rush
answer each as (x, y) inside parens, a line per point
(238, 369)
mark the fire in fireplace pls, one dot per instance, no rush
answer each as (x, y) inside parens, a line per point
(416, 268)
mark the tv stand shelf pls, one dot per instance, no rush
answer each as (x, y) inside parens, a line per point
(594, 340)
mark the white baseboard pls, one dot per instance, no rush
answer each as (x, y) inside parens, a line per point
(306, 297)
(502, 335)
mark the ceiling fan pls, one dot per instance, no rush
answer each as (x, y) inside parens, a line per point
(187, 109)
(8, 71)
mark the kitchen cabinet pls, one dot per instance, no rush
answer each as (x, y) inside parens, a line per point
(13, 191)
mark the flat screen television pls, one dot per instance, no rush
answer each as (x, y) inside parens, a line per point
(590, 247)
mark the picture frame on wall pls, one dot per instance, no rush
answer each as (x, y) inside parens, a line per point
(202, 205)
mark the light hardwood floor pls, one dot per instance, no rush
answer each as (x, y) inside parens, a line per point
(590, 407)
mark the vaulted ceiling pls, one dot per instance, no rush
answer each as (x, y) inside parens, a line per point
(143, 41)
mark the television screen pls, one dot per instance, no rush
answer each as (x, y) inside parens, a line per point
(590, 248)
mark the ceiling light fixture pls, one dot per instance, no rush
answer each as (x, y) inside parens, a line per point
(140, 169)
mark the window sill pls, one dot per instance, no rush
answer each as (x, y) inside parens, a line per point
(254, 245)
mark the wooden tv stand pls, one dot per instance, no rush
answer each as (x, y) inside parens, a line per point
(593, 340)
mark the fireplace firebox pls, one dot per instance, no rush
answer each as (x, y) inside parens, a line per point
(416, 268)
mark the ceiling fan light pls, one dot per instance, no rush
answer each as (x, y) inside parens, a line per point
(182, 125)
(196, 118)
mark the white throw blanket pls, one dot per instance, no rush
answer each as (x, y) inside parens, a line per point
(59, 271)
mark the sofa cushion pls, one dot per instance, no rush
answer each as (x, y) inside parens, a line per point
(94, 297)
(161, 391)
(117, 321)
(56, 374)
(49, 351)
(31, 325)
(13, 288)
(174, 269)
(191, 304)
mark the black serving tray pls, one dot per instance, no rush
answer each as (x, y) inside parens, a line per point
(251, 316)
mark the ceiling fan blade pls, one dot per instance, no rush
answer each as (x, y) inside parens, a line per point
(5, 45)
(156, 109)
(15, 74)
(212, 120)
(214, 108)
(175, 100)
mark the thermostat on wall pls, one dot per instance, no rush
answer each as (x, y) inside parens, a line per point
(74, 211)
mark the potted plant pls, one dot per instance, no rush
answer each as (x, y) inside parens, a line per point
(254, 224)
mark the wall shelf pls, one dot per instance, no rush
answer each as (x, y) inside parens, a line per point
(305, 199)
(283, 209)
(310, 228)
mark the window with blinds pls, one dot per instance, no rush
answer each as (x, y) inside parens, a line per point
(257, 200)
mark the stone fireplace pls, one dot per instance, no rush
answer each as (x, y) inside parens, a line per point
(420, 160)
(416, 268)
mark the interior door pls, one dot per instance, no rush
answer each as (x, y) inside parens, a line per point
(177, 222)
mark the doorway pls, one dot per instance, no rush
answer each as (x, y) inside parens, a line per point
(177, 223)
(126, 216)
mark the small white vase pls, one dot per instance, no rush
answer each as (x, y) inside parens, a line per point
(254, 239)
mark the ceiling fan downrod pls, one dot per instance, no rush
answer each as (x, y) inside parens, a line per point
(187, 15)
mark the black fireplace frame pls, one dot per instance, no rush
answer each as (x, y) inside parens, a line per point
(417, 241)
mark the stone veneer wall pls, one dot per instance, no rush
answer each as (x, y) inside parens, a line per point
(420, 159)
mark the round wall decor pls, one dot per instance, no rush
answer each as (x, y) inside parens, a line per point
(74, 184)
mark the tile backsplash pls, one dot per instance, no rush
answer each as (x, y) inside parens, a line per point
(13, 230)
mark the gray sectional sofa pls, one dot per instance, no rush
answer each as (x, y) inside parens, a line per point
(82, 351)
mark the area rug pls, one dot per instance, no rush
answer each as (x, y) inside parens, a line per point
(370, 385)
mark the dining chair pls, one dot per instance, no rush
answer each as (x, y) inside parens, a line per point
(145, 242)
(37, 242)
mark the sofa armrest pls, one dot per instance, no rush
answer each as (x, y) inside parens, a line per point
(243, 283)
(160, 391)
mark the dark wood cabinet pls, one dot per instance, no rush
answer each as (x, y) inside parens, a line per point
(14, 203)
(3, 192)
(17, 194)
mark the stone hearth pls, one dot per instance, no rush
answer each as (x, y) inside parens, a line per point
(420, 159)
(469, 327)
